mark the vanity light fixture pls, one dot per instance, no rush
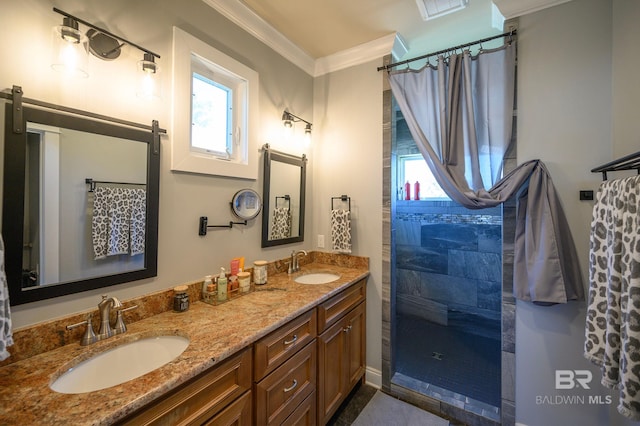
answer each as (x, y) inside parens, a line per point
(288, 119)
(148, 85)
(69, 50)
(104, 45)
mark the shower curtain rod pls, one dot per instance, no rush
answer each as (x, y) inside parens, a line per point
(462, 46)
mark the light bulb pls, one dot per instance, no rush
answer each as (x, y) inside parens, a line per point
(69, 51)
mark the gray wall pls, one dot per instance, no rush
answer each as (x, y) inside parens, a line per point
(569, 58)
(110, 90)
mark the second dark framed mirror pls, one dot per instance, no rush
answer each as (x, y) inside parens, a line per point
(283, 198)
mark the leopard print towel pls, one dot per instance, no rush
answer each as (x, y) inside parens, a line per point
(281, 223)
(612, 332)
(341, 230)
(6, 334)
(118, 223)
(138, 220)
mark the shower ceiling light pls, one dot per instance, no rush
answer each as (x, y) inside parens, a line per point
(431, 9)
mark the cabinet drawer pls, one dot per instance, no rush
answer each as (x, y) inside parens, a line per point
(236, 414)
(275, 348)
(330, 311)
(305, 414)
(200, 399)
(281, 392)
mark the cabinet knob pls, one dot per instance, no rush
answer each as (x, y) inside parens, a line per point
(293, 339)
(292, 387)
(347, 329)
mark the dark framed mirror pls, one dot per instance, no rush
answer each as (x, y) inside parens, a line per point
(80, 202)
(283, 198)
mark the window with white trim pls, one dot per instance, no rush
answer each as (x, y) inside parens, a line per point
(215, 111)
(211, 117)
(413, 168)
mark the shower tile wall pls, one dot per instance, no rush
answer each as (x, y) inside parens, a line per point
(449, 264)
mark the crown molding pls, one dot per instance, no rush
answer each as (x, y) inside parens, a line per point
(391, 43)
(512, 9)
(249, 21)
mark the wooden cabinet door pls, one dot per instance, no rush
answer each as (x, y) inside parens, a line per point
(332, 353)
(356, 345)
(341, 361)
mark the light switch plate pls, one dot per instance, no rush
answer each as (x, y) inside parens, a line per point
(320, 241)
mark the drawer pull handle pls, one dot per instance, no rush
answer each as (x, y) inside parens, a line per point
(347, 329)
(292, 387)
(293, 339)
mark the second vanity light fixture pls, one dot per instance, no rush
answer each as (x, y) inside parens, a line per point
(71, 49)
(288, 119)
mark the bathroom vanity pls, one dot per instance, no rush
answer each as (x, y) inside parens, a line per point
(287, 353)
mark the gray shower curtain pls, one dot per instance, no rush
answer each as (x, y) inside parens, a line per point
(460, 115)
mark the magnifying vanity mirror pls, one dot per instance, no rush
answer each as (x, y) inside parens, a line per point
(246, 204)
(284, 198)
(80, 203)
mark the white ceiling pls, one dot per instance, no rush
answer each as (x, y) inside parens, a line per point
(321, 36)
(323, 28)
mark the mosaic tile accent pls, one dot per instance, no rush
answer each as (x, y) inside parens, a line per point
(438, 218)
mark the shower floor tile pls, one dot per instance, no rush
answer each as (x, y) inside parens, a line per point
(462, 363)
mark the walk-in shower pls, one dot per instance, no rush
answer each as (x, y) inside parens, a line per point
(447, 268)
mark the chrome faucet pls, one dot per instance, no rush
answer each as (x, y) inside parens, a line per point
(106, 329)
(105, 307)
(293, 265)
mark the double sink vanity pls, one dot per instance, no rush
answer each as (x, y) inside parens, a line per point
(289, 352)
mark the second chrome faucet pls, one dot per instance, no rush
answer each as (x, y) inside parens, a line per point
(105, 307)
(293, 264)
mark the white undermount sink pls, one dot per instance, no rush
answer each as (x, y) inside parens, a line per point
(120, 364)
(317, 278)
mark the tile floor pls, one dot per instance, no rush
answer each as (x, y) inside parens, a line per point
(353, 405)
(450, 359)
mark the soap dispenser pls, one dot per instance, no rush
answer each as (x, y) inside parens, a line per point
(222, 286)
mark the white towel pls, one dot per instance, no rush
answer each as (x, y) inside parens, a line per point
(6, 333)
(612, 332)
(138, 220)
(341, 230)
(281, 223)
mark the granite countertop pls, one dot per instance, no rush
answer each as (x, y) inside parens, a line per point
(215, 333)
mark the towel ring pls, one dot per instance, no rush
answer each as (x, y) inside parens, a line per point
(343, 198)
(287, 198)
